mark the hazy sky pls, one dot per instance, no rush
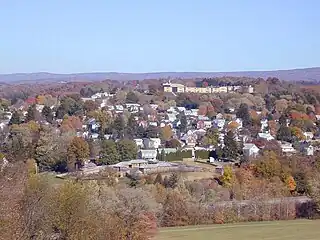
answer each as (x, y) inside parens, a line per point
(158, 35)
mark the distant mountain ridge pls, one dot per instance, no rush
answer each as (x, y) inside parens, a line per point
(303, 74)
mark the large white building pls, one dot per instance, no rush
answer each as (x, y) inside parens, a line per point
(180, 88)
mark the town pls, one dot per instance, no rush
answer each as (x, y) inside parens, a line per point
(157, 120)
(173, 137)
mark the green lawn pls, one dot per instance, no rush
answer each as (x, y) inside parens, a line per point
(280, 230)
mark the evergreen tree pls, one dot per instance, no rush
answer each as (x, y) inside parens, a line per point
(141, 132)
(231, 149)
(31, 114)
(15, 118)
(244, 114)
(132, 128)
(152, 132)
(173, 180)
(127, 150)
(283, 120)
(109, 153)
(132, 98)
(119, 127)
(47, 114)
(162, 155)
(183, 123)
(284, 134)
(166, 181)
(158, 179)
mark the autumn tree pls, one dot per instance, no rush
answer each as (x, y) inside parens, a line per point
(268, 166)
(158, 179)
(166, 133)
(227, 177)
(175, 210)
(90, 105)
(211, 137)
(71, 123)
(233, 125)
(173, 143)
(291, 184)
(21, 141)
(297, 133)
(78, 152)
(47, 149)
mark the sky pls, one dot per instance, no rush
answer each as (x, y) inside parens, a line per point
(68, 36)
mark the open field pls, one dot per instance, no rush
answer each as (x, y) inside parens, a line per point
(277, 230)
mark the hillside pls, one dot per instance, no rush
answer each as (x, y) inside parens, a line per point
(306, 74)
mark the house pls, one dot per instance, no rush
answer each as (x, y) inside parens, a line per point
(135, 163)
(167, 150)
(264, 125)
(181, 109)
(133, 107)
(151, 143)
(139, 142)
(39, 107)
(287, 148)
(265, 136)
(119, 108)
(171, 117)
(94, 136)
(189, 139)
(306, 148)
(250, 150)
(219, 123)
(308, 136)
(155, 124)
(154, 106)
(148, 154)
(219, 116)
(207, 124)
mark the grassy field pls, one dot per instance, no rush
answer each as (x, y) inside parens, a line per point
(282, 230)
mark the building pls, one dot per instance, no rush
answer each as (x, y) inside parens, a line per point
(173, 87)
(180, 88)
(250, 150)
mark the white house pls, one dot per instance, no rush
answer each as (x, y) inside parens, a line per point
(207, 124)
(139, 142)
(181, 109)
(148, 154)
(264, 125)
(250, 150)
(308, 136)
(219, 123)
(265, 136)
(287, 148)
(172, 117)
(152, 143)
